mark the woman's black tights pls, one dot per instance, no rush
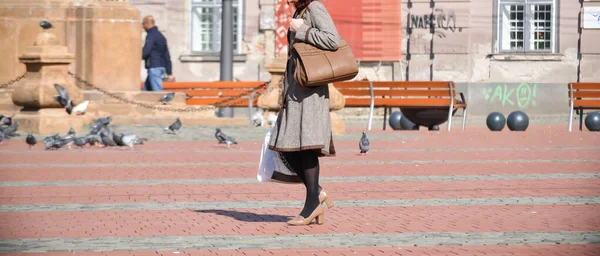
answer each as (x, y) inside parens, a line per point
(306, 165)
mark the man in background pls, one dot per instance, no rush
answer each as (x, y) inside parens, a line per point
(156, 56)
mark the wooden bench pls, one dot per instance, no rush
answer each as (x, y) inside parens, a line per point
(217, 93)
(402, 94)
(582, 96)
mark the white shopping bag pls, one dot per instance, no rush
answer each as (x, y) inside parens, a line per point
(265, 166)
(270, 163)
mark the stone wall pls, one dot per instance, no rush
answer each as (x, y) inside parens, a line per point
(101, 34)
(173, 18)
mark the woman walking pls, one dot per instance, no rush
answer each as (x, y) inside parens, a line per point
(302, 132)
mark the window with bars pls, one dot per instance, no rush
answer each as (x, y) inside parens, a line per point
(527, 26)
(206, 26)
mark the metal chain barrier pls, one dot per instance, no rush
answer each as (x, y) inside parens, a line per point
(159, 108)
(6, 85)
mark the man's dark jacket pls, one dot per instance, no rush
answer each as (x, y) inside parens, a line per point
(155, 52)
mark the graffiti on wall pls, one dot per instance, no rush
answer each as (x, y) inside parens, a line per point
(523, 95)
(444, 22)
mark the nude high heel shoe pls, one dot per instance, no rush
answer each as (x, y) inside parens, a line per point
(324, 197)
(318, 214)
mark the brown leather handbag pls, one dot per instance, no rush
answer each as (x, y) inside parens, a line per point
(316, 67)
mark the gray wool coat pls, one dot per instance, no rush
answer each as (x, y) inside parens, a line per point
(304, 122)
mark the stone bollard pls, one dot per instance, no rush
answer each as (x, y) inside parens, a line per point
(270, 100)
(47, 63)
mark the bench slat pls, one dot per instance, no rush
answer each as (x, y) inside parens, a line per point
(424, 93)
(216, 93)
(585, 94)
(589, 86)
(393, 84)
(391, 102)
(586, 103)
(211, 85)
(212, 101)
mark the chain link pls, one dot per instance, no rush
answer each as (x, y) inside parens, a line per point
(159, 108)
(6, 85)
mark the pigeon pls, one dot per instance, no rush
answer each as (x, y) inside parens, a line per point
(167, 98)
(56, 136)
(99, 124)
(5, 120)
(224, 139)
(70, 138)
(221, 137)
(71, 131)
(46, 25)
(48, 141)
(63, 98)
(11, 130)
(107, 139)
(1, 137)
(57, 144)
(130, 140)
(94, 140)
(272, 118)
(364, 143)
(175, 127)
(80, 141)
(81, 108)
(31, 141)
(258, 119)
(118, 138)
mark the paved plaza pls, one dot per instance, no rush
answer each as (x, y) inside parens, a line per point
(415, 193)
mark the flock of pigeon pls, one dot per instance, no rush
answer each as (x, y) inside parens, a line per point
(101, 133)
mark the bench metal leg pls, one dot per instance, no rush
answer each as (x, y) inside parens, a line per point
(372, 105)
(571, 106)
(449, 118)
(464, 119)
(250, 109)
(580, 119)
(384, 117)
(571, 118)
(451, 89)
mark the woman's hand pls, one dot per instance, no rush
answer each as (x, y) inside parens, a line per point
(295, 24)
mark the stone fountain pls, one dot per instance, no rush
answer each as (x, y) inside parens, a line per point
(47, 63)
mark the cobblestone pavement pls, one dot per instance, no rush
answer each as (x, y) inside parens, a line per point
(416, 193)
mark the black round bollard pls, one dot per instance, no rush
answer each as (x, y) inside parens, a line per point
(495, 121)
(592, 121)
(517, 121)
(394, 120)
(407, 124)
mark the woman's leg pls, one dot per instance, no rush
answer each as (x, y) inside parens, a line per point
(306, 165)
(310, 176)
(294, 160)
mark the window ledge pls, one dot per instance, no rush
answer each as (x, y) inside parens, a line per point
(209, 57)
(527, 56)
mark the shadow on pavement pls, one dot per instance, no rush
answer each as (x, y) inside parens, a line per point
(248, 216)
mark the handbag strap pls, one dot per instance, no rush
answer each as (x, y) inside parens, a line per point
(302, 13)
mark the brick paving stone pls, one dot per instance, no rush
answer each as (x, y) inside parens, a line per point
(212, 157)
(422, 176)
(323, 179)
(225, 190)
(90, 173)
(497, 218)
(296, 194)
(357, 243)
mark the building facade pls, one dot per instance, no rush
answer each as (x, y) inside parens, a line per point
(491, 48)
